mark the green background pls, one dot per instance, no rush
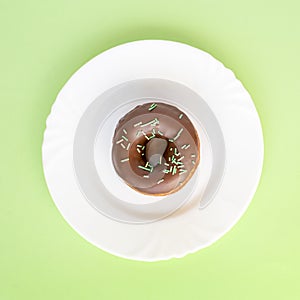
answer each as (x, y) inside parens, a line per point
(42, 44)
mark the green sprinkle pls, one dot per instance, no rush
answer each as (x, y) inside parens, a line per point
(123, 146)
(160, 181)
(125, 159)
(174, 170)
(150, 122)
(143, 147)
(146, 176)
(166, 171)
(193, 162)
(124, 130)
(153, 105)
(151, 137)
(180, 158)
(128, 146)
(178, 134)
(137, 124)
(125, 138)
(160, 132)
(146, 169)
(119, 141)
(180, 116)
(193, 155)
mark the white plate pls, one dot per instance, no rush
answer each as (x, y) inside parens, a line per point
(189, 228)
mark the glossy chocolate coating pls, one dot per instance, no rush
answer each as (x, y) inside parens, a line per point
(132, 139)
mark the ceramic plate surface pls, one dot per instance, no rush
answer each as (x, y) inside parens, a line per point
(225, 183)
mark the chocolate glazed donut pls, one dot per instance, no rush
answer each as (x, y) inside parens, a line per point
(155, 149)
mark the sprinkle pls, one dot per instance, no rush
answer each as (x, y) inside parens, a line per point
(154, 121)
(151, 167)
(138, 150)
(178, 134)
(138, 145)
(160, 159)
(146, 169)
(143, 154)
(160, 132)
(187, 147)
(182, 171)
(146, 176)
(147, 137)
(179, 163)
(179, 167)
(152, 136)
(171, 168)
(193, 162)
(171, 149)
(137, 124)
(125, 138)
(128, 146)
(146, 165)
(174, 170)
(183, 147)
(171, 140)
(153, 105)
(125, 159)
(153, 131)
(143, 147)
(119, 141)
(169, 158)
(124, 130)
(180, 158)
(160, 181)
(166, 164)
(138, 133)
(180, 116)
(193, 155)
(166, 171)
(123, 146)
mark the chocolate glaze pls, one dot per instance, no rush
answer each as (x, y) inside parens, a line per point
(130, 143)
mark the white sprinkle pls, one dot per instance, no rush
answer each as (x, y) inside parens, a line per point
(140, 146)
(128, 146)
(146, 176)
(160, 181)
(166, 164)
(119, 141)
(180, 158)
(160, 159)
(187, 147)
(124, 130)
(147, 164)
(193, 162)
(138, 150)
(180, 116)
(193, 155)
(125, 138)
(178, 134)
(137, 124)
(123, 146)
(150, 122)
(125, 159)
(160, 132)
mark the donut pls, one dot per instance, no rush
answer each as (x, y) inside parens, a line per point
(155, 149)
